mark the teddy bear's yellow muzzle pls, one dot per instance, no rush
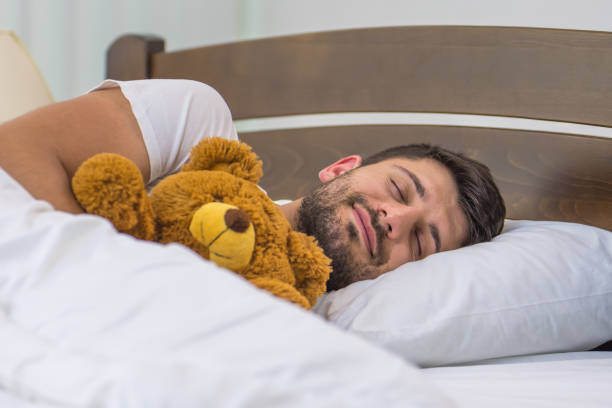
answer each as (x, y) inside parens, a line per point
(227, 232)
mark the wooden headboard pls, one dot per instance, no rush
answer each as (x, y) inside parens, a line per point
(545, 74)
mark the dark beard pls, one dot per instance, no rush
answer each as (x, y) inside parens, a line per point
(318, 217)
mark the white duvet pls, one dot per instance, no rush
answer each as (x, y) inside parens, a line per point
(90, 317)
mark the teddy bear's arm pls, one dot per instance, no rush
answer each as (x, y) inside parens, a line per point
(310, 265)
(111, 186)
(282, 290)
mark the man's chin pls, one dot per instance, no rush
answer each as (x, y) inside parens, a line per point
(341, 278)
(336, 284)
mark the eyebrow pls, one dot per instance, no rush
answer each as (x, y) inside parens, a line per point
(417, 183)
(433, 229)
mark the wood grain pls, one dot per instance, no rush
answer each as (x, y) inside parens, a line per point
(128, 57)
(522, 72)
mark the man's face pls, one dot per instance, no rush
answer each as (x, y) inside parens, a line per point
(370, 220)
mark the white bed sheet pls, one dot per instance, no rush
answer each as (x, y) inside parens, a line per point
(561, 380)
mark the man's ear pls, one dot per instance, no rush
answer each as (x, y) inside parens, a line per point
(341, 166)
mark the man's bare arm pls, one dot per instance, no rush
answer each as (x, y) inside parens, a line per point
(43, 149)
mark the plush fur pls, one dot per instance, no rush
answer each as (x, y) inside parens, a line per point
(282, 261)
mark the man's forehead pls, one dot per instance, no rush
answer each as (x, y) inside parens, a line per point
(412, 163)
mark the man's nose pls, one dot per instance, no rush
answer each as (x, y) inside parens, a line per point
(398, 219)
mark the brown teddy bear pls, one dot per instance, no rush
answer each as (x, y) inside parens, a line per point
(213, 206)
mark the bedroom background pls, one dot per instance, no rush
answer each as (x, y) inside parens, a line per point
(68, 38)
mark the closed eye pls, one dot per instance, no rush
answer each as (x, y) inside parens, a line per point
(399, 191)
(418, 240)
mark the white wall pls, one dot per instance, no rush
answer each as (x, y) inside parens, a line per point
(276, 17)
(68, 38)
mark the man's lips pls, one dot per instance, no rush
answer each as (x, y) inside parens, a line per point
(363, 221)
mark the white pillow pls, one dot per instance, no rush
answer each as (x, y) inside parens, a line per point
(538, 287)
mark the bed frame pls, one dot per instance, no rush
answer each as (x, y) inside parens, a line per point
(543, 74)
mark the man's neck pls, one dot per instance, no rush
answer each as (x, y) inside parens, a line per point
(290, 210)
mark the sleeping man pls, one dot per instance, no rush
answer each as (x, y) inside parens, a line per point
(369, 215)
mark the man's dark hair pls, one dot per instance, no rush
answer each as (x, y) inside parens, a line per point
(479, 198)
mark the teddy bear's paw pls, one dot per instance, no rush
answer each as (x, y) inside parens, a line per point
(310, 265)
(282, 290)
(231, 156)
(111, 186)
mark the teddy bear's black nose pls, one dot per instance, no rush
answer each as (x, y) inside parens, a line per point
(237, 220)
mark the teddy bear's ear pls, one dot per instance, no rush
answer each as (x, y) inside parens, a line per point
(230, 156)
(310, 265)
